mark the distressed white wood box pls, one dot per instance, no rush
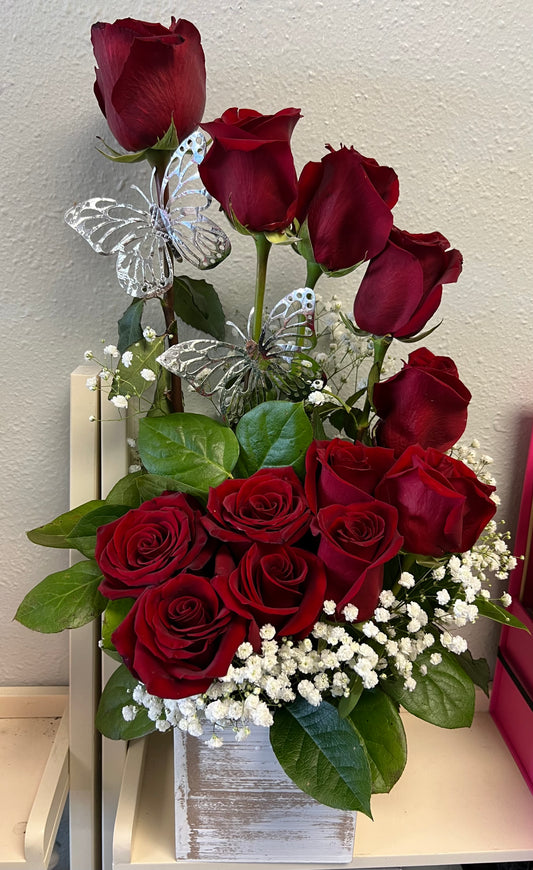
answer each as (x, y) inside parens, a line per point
(235, 803)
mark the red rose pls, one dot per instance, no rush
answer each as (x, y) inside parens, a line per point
(269, 506)
(147, 76)
(442, 506)
(340, 472)
(283, 586)
(425, 403)
(178, 637)
(355, 542)
(402, 286)
(149, 544)
(346, 200)
(249, 168)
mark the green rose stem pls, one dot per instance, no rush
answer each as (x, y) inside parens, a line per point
(313, 274)
(381, 346)
(262, 247)
(159, 160)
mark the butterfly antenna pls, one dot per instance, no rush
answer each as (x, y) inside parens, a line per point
(138, 189)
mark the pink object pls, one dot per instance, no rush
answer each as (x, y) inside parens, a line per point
(511, 703)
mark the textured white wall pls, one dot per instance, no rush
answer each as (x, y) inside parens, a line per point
(438, 89)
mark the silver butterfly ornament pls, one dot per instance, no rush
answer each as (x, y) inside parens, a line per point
(240, 376)
(174, 226)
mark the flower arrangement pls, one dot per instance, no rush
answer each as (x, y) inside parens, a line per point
(303, 555)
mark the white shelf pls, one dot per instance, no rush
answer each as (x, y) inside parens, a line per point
(34, 781)
(460, 800)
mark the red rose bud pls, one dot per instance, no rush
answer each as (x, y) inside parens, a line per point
(178, 637)
(281, 586)
(249, 168)
(402, 287)
(355, 542)
(442, 506)
(150, 544)
(147, 76)
(340, 472)
(346, 200)
(425, 403)
(269, 507)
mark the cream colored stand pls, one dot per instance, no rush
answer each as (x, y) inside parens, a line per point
(98, 458)
(461, 799)
(34, 773)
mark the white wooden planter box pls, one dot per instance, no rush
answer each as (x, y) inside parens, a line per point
(235, 803)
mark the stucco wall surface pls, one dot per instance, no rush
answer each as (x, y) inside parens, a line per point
(441, 91)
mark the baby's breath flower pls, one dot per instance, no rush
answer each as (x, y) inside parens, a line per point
(406, 580)
(148, 375)
(149, 334)
(88, 355)
(245, 650)
(350, 613)
(129, 712)
(267, 632)
(112, 351)
(119, 401)
(316, 398)
(329, 607)
(127, 358)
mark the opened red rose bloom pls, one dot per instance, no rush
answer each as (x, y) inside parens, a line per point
(269, 506)
(249, 168)
(355, 542)
(281, 586)
(179, 636)
(149, 544)
(147, 76)
(402, 286)
(341, 472)
(346, 200)
(425, 403)
(442, 506)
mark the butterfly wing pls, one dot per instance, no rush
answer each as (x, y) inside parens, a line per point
(194, 236)
(205, 363)
(290, 326)
(144, 262)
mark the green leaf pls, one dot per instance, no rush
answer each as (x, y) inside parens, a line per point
(274, 434)
(193, 449)
(116, 695)
(445, 696)
(477, 669)
(55, 534)
(114, 613)
(161, 405)
(128, 380)
(346, 705)
(499, 614)
(323, 754)
(378, 722)
(197, 303)
(319, 433)
(129, 325)
(66, 599)
(83, 535)
(135, 488)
